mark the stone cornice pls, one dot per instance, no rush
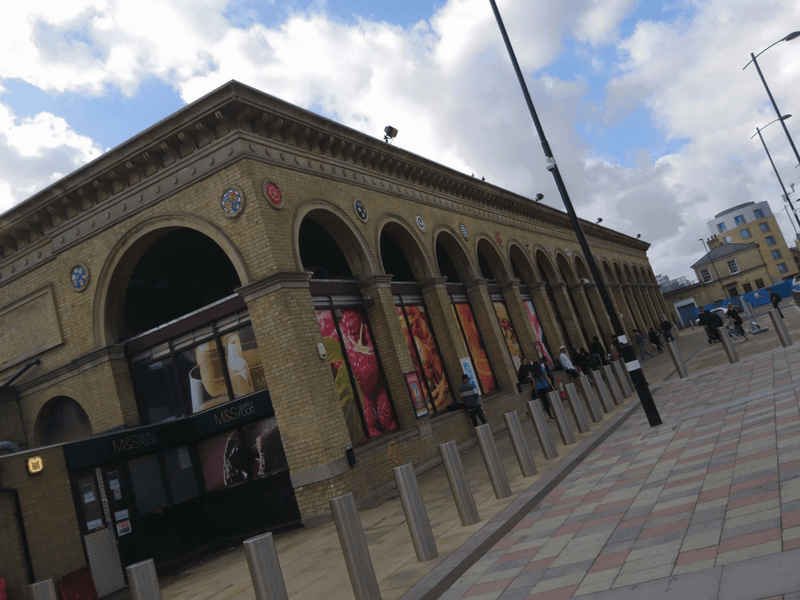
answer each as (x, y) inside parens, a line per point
(433, 283)
(74, 367)
(511, 285)
(476, 284)
(375, 282)
(164, 157)
(273, 283)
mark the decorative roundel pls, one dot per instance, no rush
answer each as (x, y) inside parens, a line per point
(464, 231)
(272, 193)
(567, 251)
(549, 249)
(420, 222)
(79, 277)
(232, 202)
(361, 210)
(498, 238)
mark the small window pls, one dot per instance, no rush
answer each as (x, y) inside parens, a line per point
(739, 220)
(776, 254)
(764, 227)
(721, 226)
(782, 268)
(727, 239)
(747, 288)
(733, 267)
(746, 235)
(758, 213)
(706, 275)
(770, 240)
(759, 283)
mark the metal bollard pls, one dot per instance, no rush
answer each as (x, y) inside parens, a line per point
(354, 548)
(577, 410)
(561, 418)
(265, 568)
(680, 366)
(621, 372)
(459, 485)
(144, 581)
(42, 590)
(613, 386)
(727, 344)
(524, 458)
(595, 412)
(542, 430)
(494, 466)
(419, 526)
(602, 389)
(780, 328)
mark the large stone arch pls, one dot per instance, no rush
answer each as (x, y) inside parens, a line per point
(521, 265)
(57, 398)
(608, 273)
(465, 265)
(342, 229)
(123, 257)
(410, 242)
(485, 247)
(546, 267)
(569, 275)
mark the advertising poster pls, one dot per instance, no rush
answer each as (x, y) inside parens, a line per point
(509, 335)
(415, 390)
(469, 371)
(431, 371)
(537, 329)
(475, 344)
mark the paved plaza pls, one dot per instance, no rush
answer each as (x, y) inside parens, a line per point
(705, 506)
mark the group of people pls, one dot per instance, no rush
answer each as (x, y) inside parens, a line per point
(711, 321)
(656, 337)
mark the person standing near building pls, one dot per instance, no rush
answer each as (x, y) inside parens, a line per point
(654, 339)
(566, 363)
(736, 319)
(542, 384)
(666, 327)
(472, 401)
(597, 348)
(775, 299)
(642, 344)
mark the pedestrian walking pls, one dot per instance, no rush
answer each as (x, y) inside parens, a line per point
(542, 384)
(666, 327)
(775, 299)
(655, 340)
(472, 400)
(642, 343)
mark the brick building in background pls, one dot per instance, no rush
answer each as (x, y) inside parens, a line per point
(212, 313)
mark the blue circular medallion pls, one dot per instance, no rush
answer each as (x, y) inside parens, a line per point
(79, 277)
(361, 210)
(232, 202)
(464, 231)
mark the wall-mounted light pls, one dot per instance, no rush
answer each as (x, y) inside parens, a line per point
(538, 197)
(638, 235)
(390, 132)
(599, 221)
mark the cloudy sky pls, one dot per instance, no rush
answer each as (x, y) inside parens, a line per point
(645, 103)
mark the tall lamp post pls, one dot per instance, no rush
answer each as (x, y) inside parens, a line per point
(772, 162)
(628, 354)
(753, 57)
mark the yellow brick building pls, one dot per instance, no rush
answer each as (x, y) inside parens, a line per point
(249, 309)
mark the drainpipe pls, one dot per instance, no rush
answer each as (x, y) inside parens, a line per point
(23, 535)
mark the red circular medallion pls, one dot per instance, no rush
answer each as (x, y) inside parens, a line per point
(273, 194)
(498, 238)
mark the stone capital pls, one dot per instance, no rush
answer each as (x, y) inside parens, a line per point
(476, 284)
(510, 285)
(433, 283)
(273, 283)
(374, 282)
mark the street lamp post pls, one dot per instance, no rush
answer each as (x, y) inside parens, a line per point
(628, 354)
(753, 57)
(772, 162)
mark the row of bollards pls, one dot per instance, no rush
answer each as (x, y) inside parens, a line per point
(262, 556)
(727, 344)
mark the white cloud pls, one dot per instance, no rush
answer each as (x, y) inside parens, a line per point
(448, 87)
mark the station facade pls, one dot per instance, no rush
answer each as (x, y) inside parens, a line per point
(248, 309)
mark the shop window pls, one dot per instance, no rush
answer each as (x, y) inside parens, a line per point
(91, 508)
(241, 455)
(475, 347)
(759, 283)
(721, 227)
(770, 240)
(180, 474)
(739, 220)
(197, 370)
(782, 268)
(758, 213)
(356, 370)
(776, 254)
(746, 235)
(509, 334)
(764, 227)
(425, 354)
(747, 288)
(706, 275)
(148, 484)
(733, 267)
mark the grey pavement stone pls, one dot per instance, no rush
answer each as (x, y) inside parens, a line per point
(621, 535)
(564, 570)
(509, 594)
(755, 527)
(760, 577)
(526, 581)
(708, 514)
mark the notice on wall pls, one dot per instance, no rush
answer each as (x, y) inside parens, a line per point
(121, 515)
(123, 528)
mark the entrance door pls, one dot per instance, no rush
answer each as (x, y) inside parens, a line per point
(120, 507)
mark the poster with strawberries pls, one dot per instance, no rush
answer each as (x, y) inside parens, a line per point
(431, 371)
(537, 329)
(472, 338)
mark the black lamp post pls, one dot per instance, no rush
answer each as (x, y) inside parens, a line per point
(753, 57)
(772, 162)
(628, 354)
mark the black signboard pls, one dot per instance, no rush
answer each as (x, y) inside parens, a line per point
(130, 443)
